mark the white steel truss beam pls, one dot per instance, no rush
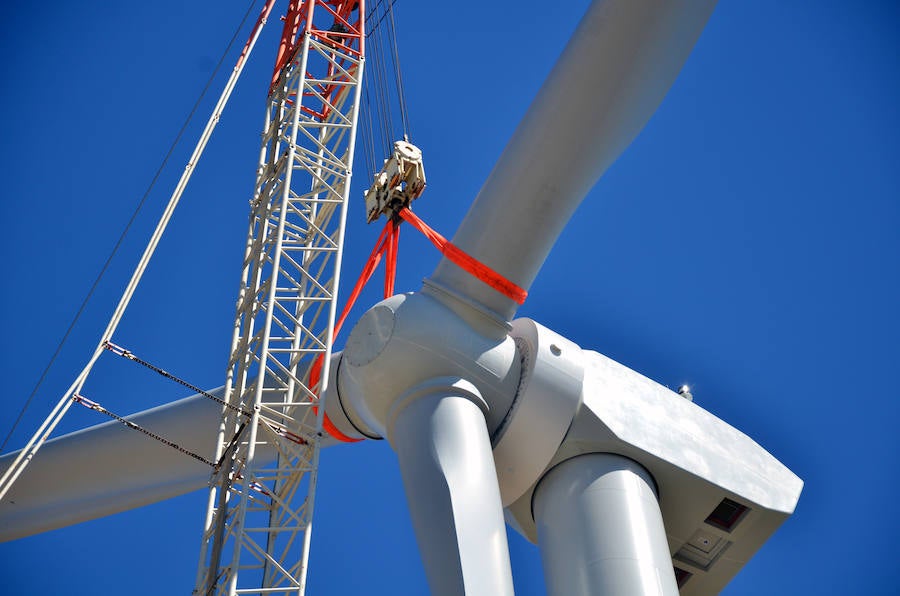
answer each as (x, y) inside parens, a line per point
(257, 534)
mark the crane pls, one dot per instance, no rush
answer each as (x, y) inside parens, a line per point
(259, 516)
(286, 308)
(493, 303)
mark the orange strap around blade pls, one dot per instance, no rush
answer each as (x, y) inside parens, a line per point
(466, 261)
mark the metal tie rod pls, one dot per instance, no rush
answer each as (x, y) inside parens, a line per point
(34, 444)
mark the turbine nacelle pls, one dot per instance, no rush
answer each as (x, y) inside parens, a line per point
(545, 402)
(721, 495)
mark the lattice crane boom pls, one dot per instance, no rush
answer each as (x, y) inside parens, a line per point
(258, 524)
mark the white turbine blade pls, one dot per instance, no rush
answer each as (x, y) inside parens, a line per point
(609, 80)
(448, 472)
(110, 468)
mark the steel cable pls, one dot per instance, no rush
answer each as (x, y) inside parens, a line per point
(384, 92)
(127, 228)
(404, 114)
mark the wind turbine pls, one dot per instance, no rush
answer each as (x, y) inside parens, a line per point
(466, 305)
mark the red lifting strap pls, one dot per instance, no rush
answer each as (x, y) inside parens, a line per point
(387, 244)
(466, 261)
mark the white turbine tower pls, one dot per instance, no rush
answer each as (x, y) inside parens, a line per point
(626, 486)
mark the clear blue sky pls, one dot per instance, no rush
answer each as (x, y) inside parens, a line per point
(747, 243)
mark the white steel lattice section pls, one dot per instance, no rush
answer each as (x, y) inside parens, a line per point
(259, 521)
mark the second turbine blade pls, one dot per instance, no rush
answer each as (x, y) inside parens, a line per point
(610, 79)
(448, 472)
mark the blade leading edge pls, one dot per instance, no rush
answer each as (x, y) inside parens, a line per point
(611, 77)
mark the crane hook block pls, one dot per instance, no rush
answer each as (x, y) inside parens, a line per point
(401, 179)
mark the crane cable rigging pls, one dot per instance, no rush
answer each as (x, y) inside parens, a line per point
(27, 453)
(129, 223)
(383, 90)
